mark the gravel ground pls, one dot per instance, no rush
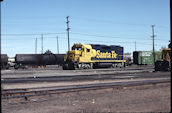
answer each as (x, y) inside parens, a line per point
(143, 99)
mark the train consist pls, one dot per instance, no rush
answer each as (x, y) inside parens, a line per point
(88, 56)
(32, 60)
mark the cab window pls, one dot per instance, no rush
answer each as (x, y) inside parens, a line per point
(88, 50)
(78, 48)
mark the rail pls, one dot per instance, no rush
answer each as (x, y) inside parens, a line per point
(24, 93)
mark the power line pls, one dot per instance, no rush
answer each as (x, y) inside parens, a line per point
(120, 23)
(91, 41)
(102, 36)
(110, 36)
(84, 34)
(79, 39)
(24, 38)
(32, 34)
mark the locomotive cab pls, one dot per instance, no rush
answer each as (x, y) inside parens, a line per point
(75, 53)
(79, 57)
(165, 63)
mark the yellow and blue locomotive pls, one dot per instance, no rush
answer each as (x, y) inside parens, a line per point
(88, 56)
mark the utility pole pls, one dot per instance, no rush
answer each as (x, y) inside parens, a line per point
(0, 27)
(135, 45)
(153, 36)
(57, 46)
(170, 22)
(36, 46)
(42, 43)
(68, 32)
(0, 32)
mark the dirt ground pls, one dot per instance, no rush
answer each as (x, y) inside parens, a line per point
(144, 99)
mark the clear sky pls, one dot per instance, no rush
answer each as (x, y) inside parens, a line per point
(110, 22)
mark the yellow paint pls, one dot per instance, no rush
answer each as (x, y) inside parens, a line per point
(86, 52)
(112, 54)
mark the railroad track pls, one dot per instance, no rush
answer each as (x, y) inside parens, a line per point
(25, 93)
(81, 77)
(33, 71)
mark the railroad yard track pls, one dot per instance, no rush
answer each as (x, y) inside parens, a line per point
(25, 93)
(31, 70)
(96, 76)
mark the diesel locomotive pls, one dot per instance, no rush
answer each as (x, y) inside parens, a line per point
(164, 64)
(88, 56)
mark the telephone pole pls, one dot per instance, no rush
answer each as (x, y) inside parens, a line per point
(135, 45)
(57, 46)
(68, 32)
(36, 46)
(42, 43)
(0, 25)
(153, 36)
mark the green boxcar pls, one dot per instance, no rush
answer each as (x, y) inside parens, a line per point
(145, 57)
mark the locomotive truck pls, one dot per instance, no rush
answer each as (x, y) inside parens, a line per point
(88, 56)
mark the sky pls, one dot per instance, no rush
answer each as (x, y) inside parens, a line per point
(110, 22)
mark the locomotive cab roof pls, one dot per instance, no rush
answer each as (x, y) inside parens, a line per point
(96, 46)
(80, 45)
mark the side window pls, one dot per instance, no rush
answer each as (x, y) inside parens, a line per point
(88, 50)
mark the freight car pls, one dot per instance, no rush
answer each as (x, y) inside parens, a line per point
(4, 61)
(88, 56)
(59, 59)
(145, 57)
(23, 60)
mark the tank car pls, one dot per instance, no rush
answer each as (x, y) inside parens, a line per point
(4, 61)
(23, 60)
(59, 59)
